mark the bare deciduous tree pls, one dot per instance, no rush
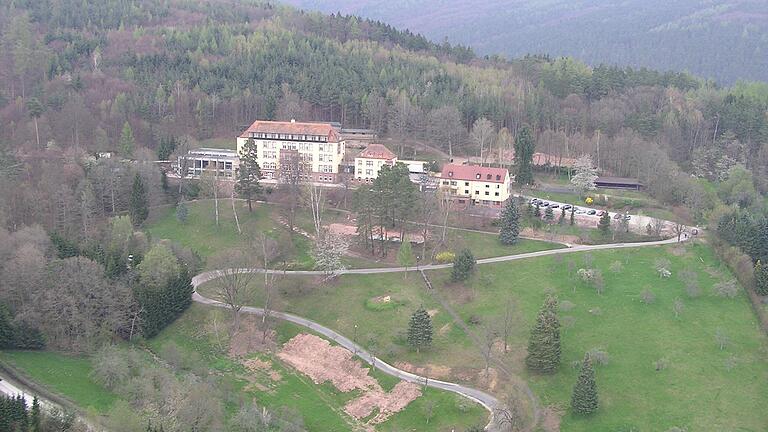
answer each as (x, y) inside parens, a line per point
(233, 281)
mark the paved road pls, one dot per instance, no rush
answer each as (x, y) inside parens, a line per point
(485, 399)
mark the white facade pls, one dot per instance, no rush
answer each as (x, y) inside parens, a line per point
(318, 145)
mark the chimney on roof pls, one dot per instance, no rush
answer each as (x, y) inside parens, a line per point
(293, 120)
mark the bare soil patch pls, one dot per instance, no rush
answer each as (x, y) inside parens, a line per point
(258, 365)
(430, 370)
(316, 358)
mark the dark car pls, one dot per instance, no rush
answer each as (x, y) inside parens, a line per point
(617, 216)
(545, 204)
(567, 207)
(601, 212)
(554, 206)
(592, 212)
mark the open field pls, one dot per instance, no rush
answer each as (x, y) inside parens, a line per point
(698, 385)
(64, 375)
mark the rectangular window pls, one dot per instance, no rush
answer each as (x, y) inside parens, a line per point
(477, 192)
(369, 163)
(496, 194)
(487, 193)
(466, 192)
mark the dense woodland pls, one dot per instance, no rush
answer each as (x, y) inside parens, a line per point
(723, 40)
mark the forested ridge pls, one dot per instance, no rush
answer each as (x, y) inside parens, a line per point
(127, 76)
(723, 40)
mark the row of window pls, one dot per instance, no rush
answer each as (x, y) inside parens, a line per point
(466, 184)
(368, 172)
(478, 176)
(466, 192)
(294, 137)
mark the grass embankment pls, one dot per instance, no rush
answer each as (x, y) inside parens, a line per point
(200, 233)
(698, 385)
(321, 406)
(64, 375)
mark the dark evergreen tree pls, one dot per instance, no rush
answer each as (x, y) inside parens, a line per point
(166, 147)
(584, 400)
(65, 248)
(6, 328)
(524, 149)
(249, 173)
(604, 225)
(549, 215)
(138, 208)
(761, 278)
(544, 343)
(561, 219)
(161, 306)
(35, 416)
(463, 266)
(420, 330)
(573, 217)
(182, 212)
(510, 223)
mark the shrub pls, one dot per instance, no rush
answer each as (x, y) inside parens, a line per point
(445, 257)
(728, 289)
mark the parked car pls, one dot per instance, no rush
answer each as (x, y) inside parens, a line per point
(617, 216)
(601, 213)
(545, 204)
(534, 201)
(627, 217)
(567, 207)
(554, 206)
(581, 212)
(592, 212)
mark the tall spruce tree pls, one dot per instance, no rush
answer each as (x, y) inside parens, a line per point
(420, 330)
(138, 208)
(761, 278)
(510, 223)
(584, 400)
(524, 148)
(544, 343)
(604, 225)
(127, 142)
(463, 266)
(549, 215)
(249, 173)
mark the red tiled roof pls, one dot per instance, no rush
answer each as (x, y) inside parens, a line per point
(296, 128)
(471, 173)
(377, 151)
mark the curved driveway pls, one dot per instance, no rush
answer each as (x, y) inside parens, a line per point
(485, 399)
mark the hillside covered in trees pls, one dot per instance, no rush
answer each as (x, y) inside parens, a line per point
(724, 40)
(130, 76)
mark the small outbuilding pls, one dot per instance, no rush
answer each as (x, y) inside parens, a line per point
(618, 183)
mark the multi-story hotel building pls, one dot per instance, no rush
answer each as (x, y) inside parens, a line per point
(317, 145)
(476, 185)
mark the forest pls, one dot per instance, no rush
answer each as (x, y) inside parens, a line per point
(129, 75)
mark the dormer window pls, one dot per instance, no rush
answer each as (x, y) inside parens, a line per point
(477, 176)
(487, 176)
(450, 173)
(498, 177)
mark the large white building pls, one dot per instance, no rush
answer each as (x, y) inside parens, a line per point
(318, 145)
(222, 163)
(476, 185)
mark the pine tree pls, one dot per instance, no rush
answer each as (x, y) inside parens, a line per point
(584, 400)
(524, 148)
(761, 278)
(463, 266)
(249, 173)
(35, 416)
(138, 208)
(605, 223)
(573, 217)
(127, 142)
(182, 212)
(420, 330)
(544, 343)
(549, 215)
(537, 211)
(561, 219)
(510, 223)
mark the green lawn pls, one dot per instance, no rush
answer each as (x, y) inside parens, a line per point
(701, 388)
(487, 245)
(696, 390)
(64, 375)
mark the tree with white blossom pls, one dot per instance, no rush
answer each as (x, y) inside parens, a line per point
(586, 174)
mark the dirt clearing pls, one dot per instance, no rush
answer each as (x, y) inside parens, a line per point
(316, 358)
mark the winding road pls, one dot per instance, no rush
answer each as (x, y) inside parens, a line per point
(486, 400)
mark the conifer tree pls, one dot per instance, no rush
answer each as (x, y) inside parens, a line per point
(420, 330)
(127, 142)
(561, 219)
(761, 278)
(138, 208)
(544, 343)
(35, 416)
(510, 223)
(537, 211)
(524, 148)
(584, 400)
(573, 217)
(463, 266)
(249, 173)
(549, 215)
(182, 212)
(605, 223)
